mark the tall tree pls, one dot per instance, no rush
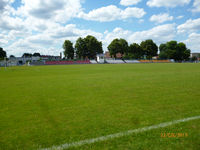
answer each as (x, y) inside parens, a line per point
(135, 51)
(94, 46)
(162, 47)
(12, 56)
(175, 50)
(81, 48)
(118, 46)
(171, 47)
(27, 55)
(182, 53)
(150, 48)
(88, 47)
(68, 49)
(36, 54)
(163, 50)
(2, 53)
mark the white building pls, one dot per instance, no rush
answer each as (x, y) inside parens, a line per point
(100, 58)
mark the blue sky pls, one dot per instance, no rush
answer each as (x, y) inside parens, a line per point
(42, 26)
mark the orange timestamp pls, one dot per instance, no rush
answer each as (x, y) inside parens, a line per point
(173, 135)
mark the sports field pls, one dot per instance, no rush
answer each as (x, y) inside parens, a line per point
(45, 106)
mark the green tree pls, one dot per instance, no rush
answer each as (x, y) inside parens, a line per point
(175, 50)
(135, 51)
(27, 55)
(12, 56)
(118, 46)
(163, 50)
(88, 47)
(150, 48)
(81, 48)
(171, 47)
(2, 53)
(163, 47)
(163, 55)
(194, 58)
(94, 46)
(36, 54)
(182, 53)
(68, 49)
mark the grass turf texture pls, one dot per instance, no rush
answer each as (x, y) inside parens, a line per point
(41, 106)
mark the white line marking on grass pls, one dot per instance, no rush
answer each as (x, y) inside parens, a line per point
(117, 135)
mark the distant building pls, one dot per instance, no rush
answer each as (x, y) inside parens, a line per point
(195, 55)
(118, 55)
(50, 58)
(16, 61)
(100, 58)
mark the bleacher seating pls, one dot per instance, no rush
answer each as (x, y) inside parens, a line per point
(115, 61)
(146, 61)
(37, 63)
(155, 61)
(131, 61)
(93, 61)
(67, 62)
(161, 61)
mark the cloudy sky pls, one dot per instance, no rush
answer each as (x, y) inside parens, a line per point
(43, 25)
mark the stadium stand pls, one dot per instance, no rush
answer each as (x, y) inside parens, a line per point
(155, 61)
(131, 61)
(161, 61)
(93, 61)
(37, 63)
(145, 61)
(113, 61)
(67, 62)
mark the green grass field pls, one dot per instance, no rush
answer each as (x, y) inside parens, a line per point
(42, 106)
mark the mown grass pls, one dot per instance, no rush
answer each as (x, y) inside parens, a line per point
(41, 106)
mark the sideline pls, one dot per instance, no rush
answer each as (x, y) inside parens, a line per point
(117, 135)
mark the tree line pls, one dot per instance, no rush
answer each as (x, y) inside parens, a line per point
(89, 47)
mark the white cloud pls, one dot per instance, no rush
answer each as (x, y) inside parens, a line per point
(167, 3)
(10, 23)
(116, 33)
(59, 11)
(50, 39)
(129, 2)
(4, 4)
(5, 8)
(193, 42)
(160, 18)
(3, 39)
(47, 42)
(41, 26)
(111, 13)
(108, 13)
(196, 6)
(71, 32)
(132, 12)
(179, 17)
(189, 26)
(141, 21)
(159, 34)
